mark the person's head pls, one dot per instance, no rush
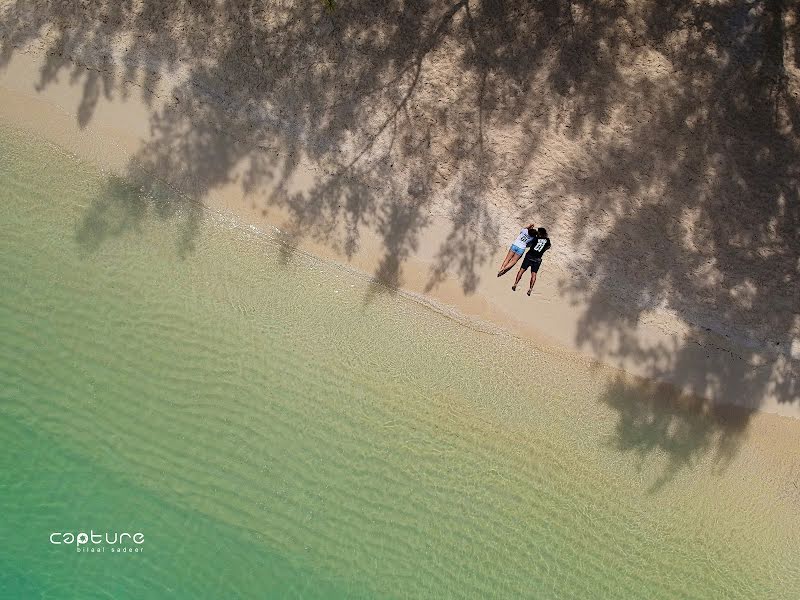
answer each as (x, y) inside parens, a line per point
(542, 232)
(531, 228)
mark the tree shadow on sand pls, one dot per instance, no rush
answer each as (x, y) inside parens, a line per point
(714, 234)
(659, 140)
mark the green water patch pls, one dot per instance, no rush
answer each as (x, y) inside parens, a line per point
(52, 490)
(276, 429)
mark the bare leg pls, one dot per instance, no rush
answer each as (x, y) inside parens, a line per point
(533, 280)
(508, 265)
(506, 260)
(519, 276)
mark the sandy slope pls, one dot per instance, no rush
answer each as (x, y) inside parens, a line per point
(657, 144)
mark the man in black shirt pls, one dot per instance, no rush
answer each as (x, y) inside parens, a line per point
(533, 258)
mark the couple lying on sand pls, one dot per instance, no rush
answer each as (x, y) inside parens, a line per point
(537, 243)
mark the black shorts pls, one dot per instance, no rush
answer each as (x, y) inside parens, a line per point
(531, 262)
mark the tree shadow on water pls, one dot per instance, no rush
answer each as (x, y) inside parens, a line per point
(656, 420)
(124, 205)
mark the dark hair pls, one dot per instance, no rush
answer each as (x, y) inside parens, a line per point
(542, 232)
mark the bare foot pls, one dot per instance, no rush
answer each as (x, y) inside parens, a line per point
(529, 291)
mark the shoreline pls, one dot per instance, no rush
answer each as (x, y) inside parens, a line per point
(121, 127)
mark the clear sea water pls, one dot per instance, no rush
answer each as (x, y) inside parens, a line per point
(277, 426)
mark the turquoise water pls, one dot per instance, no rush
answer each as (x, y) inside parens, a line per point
(276, 426)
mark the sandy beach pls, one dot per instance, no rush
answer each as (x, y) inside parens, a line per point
(412, 145)
(252, 330)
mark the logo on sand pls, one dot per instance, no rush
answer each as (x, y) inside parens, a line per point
(95, 542)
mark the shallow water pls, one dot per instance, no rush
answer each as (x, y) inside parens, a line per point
(278, 426)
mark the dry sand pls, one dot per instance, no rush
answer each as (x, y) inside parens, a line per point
(658, 146)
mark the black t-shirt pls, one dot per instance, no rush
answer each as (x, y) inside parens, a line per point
(537, 248)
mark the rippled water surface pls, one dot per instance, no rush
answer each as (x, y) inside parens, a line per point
(277, 426)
